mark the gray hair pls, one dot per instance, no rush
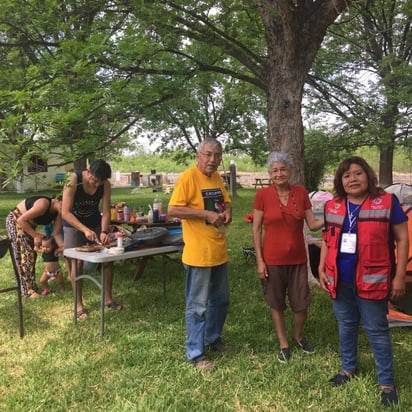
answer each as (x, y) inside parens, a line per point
(280, 157)
(210, 141)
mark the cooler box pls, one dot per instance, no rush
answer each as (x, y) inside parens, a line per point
(174, 237)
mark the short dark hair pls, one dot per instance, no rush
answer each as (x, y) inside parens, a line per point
(51, 239)
(100, 169)
(373, 189)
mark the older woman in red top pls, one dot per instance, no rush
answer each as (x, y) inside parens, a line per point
(279, 213)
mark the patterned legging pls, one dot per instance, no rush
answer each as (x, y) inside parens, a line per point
(24, 253)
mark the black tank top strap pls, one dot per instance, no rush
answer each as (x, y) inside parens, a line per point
(47, 217)
(79, 175)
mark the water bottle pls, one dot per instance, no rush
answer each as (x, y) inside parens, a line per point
(126, 213)
(157, 205)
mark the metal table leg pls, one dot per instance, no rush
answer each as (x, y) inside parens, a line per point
(75, 292)
(102, 283)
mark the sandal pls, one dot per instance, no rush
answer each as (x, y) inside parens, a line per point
(114, 305)
(82, 314)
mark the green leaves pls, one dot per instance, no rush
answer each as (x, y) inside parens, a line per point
(79, 76)
(361, 78)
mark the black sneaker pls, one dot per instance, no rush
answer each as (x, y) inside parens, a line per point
(305, 346)
(284, 355)
(340, 379)
(389, 397)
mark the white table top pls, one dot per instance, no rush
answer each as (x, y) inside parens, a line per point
(103, 256)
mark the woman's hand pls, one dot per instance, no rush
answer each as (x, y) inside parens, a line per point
(262, 270)
(323, 280)
(59, 251)
(91, 236)
(104, 238)
(38, 237)
(398, 287)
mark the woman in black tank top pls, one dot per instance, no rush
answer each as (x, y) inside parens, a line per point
(83, 222)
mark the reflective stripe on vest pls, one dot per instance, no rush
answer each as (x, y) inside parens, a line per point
(371, 278)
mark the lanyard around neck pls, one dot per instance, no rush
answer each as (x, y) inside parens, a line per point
(352, 214)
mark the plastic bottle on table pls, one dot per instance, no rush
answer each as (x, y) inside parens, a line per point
(157, 204)
(113, 213)
(126, 213)
(119, 239)
(150, 215)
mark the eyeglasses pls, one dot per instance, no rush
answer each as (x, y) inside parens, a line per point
(209, 155)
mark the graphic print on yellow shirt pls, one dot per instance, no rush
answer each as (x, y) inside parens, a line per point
(213, 200)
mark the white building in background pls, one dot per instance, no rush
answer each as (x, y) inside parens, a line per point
(37, 176)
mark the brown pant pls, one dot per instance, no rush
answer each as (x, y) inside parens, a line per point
(290, 280)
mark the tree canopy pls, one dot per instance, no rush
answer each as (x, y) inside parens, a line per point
(83, 78)
(362, 79)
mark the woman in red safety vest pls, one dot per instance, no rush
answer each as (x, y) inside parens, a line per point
(363, 226)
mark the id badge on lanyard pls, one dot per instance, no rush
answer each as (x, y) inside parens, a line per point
(348, 243)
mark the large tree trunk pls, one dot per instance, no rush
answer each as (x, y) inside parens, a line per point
(285, 129)
(385, 166)
(294, 32)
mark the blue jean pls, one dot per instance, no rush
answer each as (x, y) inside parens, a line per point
(349, 311)
(207, 303)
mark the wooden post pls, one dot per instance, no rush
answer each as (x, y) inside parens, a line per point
(232, 178)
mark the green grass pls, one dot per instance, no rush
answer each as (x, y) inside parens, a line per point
(140, 365)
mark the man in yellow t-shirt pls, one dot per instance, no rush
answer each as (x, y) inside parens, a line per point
(201, 201)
